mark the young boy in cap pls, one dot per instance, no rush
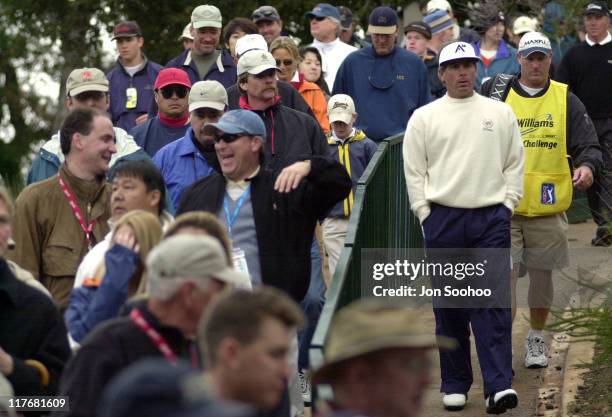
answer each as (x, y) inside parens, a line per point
(354, 151)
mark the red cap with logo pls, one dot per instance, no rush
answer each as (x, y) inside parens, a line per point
(169, 76)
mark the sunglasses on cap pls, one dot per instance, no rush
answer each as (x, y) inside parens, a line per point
(229, 137)
(285, 62)
(180, 90)
(319, 18)
(261, 14)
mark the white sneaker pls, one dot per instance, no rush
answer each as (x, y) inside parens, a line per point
(306, 387)
(536, 353)
(454, 402)
(501, 401)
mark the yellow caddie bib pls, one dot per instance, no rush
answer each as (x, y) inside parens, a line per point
(547, 183)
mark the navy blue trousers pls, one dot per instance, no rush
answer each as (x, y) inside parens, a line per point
(486, 227)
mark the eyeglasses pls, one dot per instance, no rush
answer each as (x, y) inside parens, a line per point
(285, 62)
(229, 137)
(180, 90)
(319, 18)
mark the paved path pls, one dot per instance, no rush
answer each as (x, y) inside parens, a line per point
(526, 381)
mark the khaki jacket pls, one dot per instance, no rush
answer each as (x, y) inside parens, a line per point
(49, 241)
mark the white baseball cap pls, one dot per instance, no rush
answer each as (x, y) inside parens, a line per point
(456, 51)
(524, 24)
(186, 34)
(438, 5)
(340, 108)
(255, 62)
(250, 42)
(206, 16)
(207, 94)
(534, 42)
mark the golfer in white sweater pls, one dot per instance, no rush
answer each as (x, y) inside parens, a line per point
(463, 161)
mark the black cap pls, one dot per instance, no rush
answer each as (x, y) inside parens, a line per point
(598, 8)
(420, 27)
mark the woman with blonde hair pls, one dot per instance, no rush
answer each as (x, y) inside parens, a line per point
(287, 58)
(120, 276)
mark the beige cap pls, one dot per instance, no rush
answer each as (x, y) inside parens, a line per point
(208, 94)
(86, 79)
(255, 62)
(250, 42)
(186, 256)
(206, 16)
(340, 108)
(374, 324)
(186, 33)
(438, 5)
(524, 24)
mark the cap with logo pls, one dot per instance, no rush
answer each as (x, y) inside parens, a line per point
(346, 17)
(186, 256)
(266, 12)
(438, 5)
(457, 51)
(238, 121)
(208, 94)
(206, 16)
(186, 33)
(419, 27)
(169, 76)
(255, 62)
(324, 10)
(86, 79)
(126, 29)
(524, 24)
(382, 21)
(438, 20)
(597, 7)
(340, 108)
(250, 42)
(534, 42)
(356, 330)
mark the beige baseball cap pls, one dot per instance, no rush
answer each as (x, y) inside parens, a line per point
(207, 94)
(206, 16)
(86, 79)
(374, 324)
(255, 62)
(196, 257)
(340, 108)
(186, 33)
(524, 24)
(250, 42)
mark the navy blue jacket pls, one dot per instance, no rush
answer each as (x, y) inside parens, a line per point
(153, 135)
(119, 81)
(224, 70)
(386, 89)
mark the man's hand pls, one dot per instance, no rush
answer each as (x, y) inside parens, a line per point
(141, 119)
(6, 362)
(290, 177)
(583, 177)
(125, 237)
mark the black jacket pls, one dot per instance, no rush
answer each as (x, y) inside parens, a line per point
(31, 328)
(110, 348)
(290, 97)
(290, 135)
(582, 143)
(284, 223)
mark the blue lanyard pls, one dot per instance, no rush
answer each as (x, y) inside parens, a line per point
(230, 220)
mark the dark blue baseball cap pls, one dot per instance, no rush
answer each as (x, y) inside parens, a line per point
(324, 10)
(383, 21)
(238, 121)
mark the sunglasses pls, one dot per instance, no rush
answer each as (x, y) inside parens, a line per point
(229, 137)
(89, 95)
(266, 13)
(285, 62)
(180, 90)
(319, 18)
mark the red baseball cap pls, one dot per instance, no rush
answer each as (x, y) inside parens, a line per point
(169, 76)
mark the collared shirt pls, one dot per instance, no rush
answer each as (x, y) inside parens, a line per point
(605, 40)
(235, 188)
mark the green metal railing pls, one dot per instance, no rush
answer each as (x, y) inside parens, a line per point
(381, 218)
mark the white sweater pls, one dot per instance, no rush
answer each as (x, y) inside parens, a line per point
(332, 55)
(464, 153)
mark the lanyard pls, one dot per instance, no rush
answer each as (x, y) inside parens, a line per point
(76, 210)
(231, 219)
(156, 338)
